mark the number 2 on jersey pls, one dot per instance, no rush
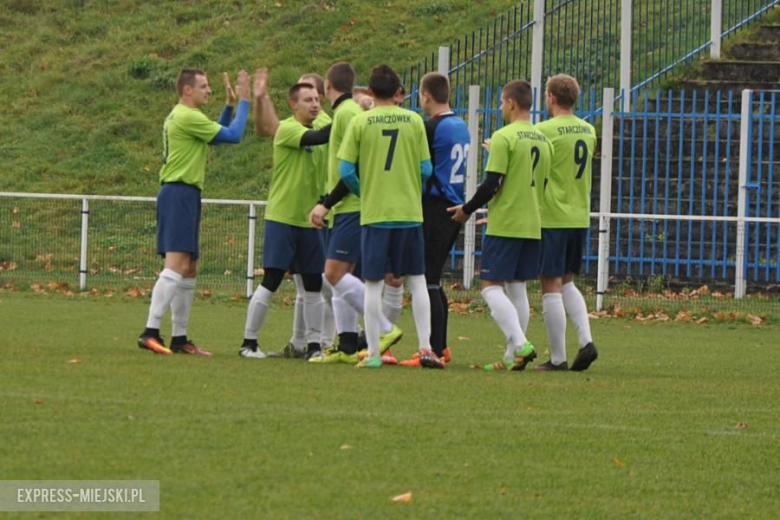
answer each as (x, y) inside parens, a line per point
(535, 153)
(393, 135)
(459, 154)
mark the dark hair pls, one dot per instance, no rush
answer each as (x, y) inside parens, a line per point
(316, 81)
(384, 82)
(564, 89)
(341, 76)
(292, 94)
(437, 85)
(520, 92)
(187, 77)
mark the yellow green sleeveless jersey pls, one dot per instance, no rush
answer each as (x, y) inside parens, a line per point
(388, 143)
(342, 115)
(566, 202)
(294, 185)
(186, 134)
(321, 153)
(522, 154)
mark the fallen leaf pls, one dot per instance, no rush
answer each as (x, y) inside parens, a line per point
(405, 498)
(15, 210)
(16, 224)
(700, 321)
(503, 490)
(74, 361)
(464, 338)
(742, 426)
(618, 463)
(345, 447)
(38, 400)
(228, 272)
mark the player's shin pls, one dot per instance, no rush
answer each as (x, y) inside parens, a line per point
(373, 315)
(575, 307)
(421, 307)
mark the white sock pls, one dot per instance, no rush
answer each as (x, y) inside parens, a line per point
(555, 321)
(373, 315)
(577, 311)
(353, 291)
(518, 295)
(505, 315)
(298, 338)
(312, 315)
(255, 313)
(181, 306)
(328, 319)
(165, 289)
(346, 317)
(421, 308)
(392, 301)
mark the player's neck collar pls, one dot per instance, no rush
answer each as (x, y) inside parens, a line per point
(341, 98)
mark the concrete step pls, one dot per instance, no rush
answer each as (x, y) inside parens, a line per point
(664, 147)
(755, 51)
(732, 70)
(701, 85)
(769, 33)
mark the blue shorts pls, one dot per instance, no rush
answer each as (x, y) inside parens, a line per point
(562, 251)
(505, 259)
(344, 244)
(178, 219)
(400, 251)
(292, 248)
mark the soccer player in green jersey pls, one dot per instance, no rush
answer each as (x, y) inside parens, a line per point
(344, 248)
(290, 243)
(186, 134)
(565, 222)
(389, 145)
(518, 164)
(266, 122)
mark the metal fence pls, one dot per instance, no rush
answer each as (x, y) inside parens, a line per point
(686, 193)
(624, 44)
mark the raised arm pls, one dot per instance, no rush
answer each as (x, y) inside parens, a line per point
(232, 134)
(264, 116)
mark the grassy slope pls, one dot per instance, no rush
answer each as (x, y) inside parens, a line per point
(85, 85)
(650, 431)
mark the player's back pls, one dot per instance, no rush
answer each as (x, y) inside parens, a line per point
(566, 202)
(342, 116)
(523, 155)
(388, 143)
(449, 141)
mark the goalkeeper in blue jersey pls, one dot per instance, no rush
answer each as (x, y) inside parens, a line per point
(448, 144)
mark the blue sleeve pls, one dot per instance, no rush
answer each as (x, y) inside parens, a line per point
(348, 173)
(224, 118)
(232, 134)
(426, 169)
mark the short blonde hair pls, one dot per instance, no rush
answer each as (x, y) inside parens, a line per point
(565, 89)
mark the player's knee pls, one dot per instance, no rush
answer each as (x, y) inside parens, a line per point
(312, 282)
(335, 271)
(272, 279)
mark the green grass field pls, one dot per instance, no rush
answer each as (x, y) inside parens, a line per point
(673, 421)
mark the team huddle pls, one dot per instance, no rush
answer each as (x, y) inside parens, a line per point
(372, 198)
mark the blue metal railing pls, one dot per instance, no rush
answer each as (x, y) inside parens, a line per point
(582, 38)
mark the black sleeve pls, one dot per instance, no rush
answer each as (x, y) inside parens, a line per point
(316, 137)
(485, 192)
(335, 196)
